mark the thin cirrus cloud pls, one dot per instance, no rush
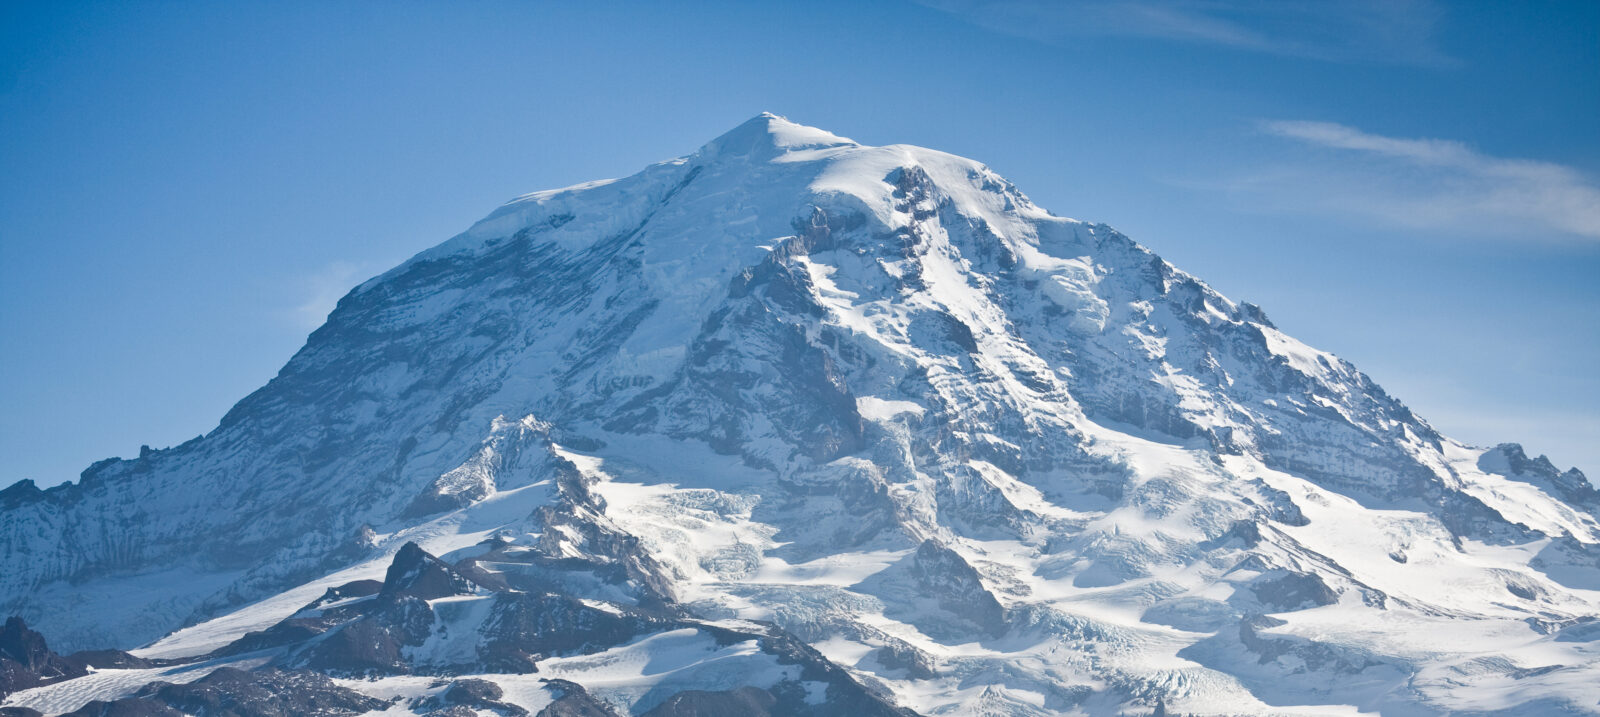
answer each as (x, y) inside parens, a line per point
(1429, 184)
(321, 291)
(1369, 31)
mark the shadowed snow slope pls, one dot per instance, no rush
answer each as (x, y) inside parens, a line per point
(985, 459)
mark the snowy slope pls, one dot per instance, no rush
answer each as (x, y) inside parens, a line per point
(986, 459)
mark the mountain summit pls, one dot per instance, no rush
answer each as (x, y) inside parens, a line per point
(793, 425)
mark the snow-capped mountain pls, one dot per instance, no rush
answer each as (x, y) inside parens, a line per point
(794, 425)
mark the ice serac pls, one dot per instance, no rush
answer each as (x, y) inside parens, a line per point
(798, 425)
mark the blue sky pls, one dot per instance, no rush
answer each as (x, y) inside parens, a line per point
(186, 188)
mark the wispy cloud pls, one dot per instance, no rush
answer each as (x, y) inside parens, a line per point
(321, 291)
(1382, 31)
(1419, 184)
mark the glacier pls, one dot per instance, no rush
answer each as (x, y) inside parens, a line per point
(800, 425)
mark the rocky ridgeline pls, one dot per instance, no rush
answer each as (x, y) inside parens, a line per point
(367, 629)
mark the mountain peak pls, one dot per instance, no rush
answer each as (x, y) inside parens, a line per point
(870, 395)
(418, 573)
(766, 135)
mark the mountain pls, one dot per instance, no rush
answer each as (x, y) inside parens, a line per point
(794, 425)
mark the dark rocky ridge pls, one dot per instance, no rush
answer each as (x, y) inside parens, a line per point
(229, 692)
(26, 660)
(365, 629)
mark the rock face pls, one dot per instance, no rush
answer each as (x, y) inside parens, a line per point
(799, 425)
(26, 661)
